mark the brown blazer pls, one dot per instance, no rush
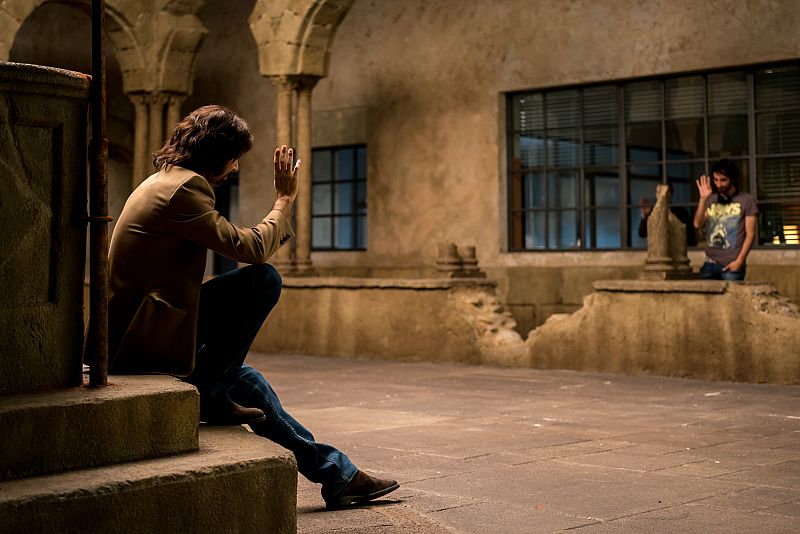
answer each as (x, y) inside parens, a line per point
(157, 260)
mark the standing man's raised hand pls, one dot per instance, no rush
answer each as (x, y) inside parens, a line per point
(704, 186)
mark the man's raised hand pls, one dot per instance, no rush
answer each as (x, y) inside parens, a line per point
(285, 173)
(704, 186)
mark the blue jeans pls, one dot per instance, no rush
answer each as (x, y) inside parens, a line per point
(713, 271)
(233, 307)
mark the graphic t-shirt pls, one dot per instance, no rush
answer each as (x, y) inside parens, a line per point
(725, 229)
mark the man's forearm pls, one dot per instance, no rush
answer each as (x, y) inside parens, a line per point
(700, 214)
(749, 237)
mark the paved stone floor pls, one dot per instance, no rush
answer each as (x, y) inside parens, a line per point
(489, 450)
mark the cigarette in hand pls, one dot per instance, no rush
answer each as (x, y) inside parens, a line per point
(296, 166)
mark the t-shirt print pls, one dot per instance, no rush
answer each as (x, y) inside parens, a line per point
(723, 224)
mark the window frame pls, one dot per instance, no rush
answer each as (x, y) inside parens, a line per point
(517, 209)
(355, 213)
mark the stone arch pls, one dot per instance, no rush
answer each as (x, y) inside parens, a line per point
(294, 36)
(156, 53)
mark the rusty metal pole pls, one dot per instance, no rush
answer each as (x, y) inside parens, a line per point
(98, 206)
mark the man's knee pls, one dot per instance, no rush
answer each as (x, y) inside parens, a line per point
(266, 282)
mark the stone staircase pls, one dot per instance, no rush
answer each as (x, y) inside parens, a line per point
(131, 457)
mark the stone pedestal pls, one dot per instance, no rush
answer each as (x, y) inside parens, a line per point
(43, 115)
(666, 243)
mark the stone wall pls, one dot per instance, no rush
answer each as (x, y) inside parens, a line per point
(445, 320)
(701, 329)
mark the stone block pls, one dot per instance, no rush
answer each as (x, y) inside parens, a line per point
(42, 241)
(236, 482)
(134, 417)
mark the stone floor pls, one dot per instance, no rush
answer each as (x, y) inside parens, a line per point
(489, 450)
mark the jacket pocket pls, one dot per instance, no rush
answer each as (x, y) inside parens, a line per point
(159, 339)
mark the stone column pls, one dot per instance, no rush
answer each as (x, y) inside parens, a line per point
(303, 204)
(284, 259)
(141, 165)
(174, 114)
(156, 103)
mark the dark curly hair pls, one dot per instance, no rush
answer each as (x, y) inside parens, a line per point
(205, 141)
(727, 168)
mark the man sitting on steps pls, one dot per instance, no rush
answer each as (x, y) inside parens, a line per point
(164, 319)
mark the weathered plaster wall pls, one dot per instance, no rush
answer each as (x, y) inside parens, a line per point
(432, 73)
(701, 329)
(426, 319)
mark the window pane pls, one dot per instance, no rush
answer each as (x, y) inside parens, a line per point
(343, 231)
(321, 232)
(777, 87)
(602, 190)
(685, 139)
(778, 133)
(642, 181)
(563, 190)
(361, 233)
(727, 136)
(534, 229)
(534, 191)
(563, 108)
(600, 145)
(528, 112)
(321, 204)
(635, 217)
(344, 164)
(361, 197)
(683, 177)
(644, 141)
(727, 93)
(643, 101)
(343, 200)
(685, 97)
(563, 229)
(779, 224)
(321, 165)
(600, 105)
(530, 150)
(778, 178)
(602, 229)
(563, 148)
(361, 163)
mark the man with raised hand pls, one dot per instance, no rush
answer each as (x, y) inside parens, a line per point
(164, 319)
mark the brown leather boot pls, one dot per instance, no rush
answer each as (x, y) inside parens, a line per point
(361, 489)
(225, 412)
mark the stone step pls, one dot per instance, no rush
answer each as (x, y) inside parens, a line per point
(235, 482)
(135, 417)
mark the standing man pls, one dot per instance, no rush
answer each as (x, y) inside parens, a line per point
(729, 217)
(164, 319)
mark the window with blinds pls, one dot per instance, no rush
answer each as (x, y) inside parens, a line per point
(584, 161)
(339, 198)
